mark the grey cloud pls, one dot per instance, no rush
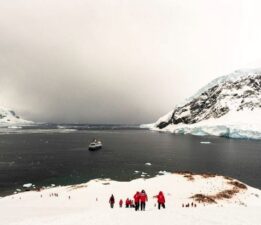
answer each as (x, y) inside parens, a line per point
(118, 61)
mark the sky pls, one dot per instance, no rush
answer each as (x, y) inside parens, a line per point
(119, 61)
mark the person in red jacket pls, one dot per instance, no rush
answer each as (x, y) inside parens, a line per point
(112, 201)
(131, 204)
(161, 200)
(127, 203)
(137, 200)
(120, 203)
(143, 200)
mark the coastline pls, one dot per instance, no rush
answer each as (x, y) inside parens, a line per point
(84, 203)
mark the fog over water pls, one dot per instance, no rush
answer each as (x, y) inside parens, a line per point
(119, 61)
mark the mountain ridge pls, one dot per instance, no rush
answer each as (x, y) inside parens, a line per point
(231, 102)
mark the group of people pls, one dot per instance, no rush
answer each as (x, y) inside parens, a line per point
(139, 201)
(53, 195)
(128, 203)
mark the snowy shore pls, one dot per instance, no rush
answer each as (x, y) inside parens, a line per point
(219, 200)
(232, 125)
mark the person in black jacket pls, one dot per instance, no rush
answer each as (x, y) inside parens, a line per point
(112, 201)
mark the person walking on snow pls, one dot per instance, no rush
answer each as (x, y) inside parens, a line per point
(120, 203)
(161, 200)
(143, 200)
(112, 201)
(132, 204)
(127, 203)
(137, 200)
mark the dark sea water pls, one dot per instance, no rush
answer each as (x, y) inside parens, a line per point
(50, 156)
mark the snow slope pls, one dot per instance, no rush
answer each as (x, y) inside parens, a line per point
(8, 118)
(229, 106)
(88, 203)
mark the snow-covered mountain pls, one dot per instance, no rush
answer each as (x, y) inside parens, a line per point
(9, 118)
(228, 106)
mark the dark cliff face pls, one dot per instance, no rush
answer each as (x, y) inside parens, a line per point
(218, 100)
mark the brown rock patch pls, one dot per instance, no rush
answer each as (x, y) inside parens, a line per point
(237, 184)
(200, 198)
(226, 194)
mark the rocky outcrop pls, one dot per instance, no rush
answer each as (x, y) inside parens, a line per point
(217, 100)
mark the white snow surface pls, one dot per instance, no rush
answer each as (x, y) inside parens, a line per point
(147, 126)
(165, 117)
(88, 204)
(161, 119)
(28, 185)
(8, 118)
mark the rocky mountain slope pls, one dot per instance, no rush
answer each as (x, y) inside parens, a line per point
(228, 106)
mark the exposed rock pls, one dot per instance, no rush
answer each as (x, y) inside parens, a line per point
(218, 99)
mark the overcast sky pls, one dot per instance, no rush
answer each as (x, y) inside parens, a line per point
(119, 61)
